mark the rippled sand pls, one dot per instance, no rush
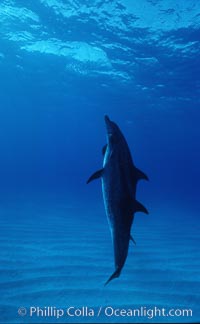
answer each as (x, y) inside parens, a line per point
(61, 257)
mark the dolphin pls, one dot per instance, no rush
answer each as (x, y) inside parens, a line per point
(119, 179)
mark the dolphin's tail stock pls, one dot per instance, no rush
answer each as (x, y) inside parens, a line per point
(115, 274)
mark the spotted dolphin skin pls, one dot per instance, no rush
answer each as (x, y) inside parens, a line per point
(119, 179)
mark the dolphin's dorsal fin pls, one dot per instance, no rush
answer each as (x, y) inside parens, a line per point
(104, 149)
(140, 208)
(132, 239)
(140, 175)
(95, 175)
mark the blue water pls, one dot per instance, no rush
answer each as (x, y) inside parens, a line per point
(63, 65)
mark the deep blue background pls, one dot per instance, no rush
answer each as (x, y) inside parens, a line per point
(52, 106)
(63, 65)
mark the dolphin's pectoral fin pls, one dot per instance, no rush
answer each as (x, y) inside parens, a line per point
(115, 274)
(132, 239)
(95, 175)
(104, 149)
(140, 175)
(140, 208)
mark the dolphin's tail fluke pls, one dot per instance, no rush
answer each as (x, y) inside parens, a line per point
(115, 274)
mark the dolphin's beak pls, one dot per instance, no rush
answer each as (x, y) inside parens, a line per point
(107, 119)
(108, 124)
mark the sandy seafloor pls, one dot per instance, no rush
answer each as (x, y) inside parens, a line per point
(54, 255)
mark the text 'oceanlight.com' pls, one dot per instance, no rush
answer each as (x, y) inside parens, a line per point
(107, 311)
